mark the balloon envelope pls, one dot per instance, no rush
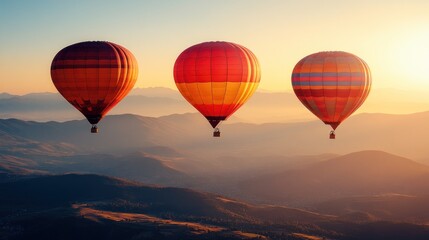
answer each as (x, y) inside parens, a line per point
(217, 78)
(332, 85)
(94, 76)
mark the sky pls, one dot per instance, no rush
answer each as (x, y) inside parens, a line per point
(392, 36)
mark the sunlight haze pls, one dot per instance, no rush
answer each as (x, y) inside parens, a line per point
(391, 36)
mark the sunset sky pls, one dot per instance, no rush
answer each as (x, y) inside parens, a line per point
(392, 36)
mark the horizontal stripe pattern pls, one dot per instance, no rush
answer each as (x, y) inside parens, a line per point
(332, 85)
(216, 62)
(217, 99)
(94, 66)
(94, 76)
(217, 78)
(327, 83)
(328, 74)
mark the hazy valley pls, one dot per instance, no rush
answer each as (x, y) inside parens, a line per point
(264, 179)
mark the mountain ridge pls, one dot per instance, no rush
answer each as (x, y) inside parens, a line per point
(361, 173)
(89, 206)
(191, 132)
(158, 101)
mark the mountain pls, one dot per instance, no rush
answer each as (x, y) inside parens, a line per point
(37, 106)
(398, 134)
(64, 189)
(152, 102)
(91, 206)
(18, 165)
(6, 95)
(52, 106)
(355, 174)
(21, 152)
(138, 166)
(12, 144)
(262, 107)
(134, 128)
(141, 132)
(103, 199)
(191, 134)
(387, 207)
(178, 150)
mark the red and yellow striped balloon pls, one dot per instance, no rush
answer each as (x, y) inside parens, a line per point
(332, 85)
(94, 77)
(217, 78)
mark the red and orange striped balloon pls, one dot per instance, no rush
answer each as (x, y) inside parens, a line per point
(217, 78)
(94, 77)
(332, 85)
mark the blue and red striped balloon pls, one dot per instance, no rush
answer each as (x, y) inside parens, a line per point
(332, 85)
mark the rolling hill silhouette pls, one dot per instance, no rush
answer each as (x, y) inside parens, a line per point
(92, 206)
(51, 106)
(263, 107)
(88, 207)
(355, 174)
(4, 95)
(63, 190)
(387, 207)
(182, 144)
(138, 166)
(191, 133)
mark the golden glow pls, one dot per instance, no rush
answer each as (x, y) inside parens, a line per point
(391, 36)
(411, 56)
(224, 92)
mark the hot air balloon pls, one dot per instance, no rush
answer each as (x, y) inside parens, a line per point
(217, 78)
(94, 76)
(332, 85)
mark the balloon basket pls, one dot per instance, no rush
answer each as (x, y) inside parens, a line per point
(94, 129)
(216, 133)
(332, 135)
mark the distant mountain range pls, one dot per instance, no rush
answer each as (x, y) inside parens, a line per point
(53, 107)
(191, 134)
(137, 166)
(178, 150)
(263, 106)
(6, 95)
(292, 164)
(91, 206)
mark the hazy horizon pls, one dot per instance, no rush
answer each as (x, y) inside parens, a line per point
(264, 107)
(280, 33)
